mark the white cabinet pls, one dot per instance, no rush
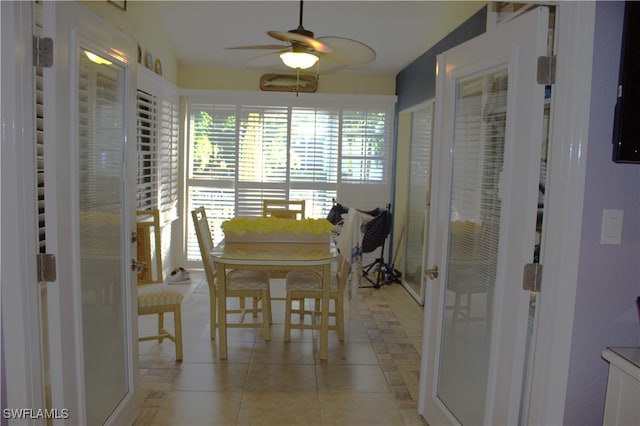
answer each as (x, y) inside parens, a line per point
(622, 405)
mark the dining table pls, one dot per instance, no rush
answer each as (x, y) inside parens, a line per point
(275, 258)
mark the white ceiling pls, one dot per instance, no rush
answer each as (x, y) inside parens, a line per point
(399, 31)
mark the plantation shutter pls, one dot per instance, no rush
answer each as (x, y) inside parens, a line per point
(39, 137)
(364, 147)
(212, 144)
(169, 137)
(314, 145)
(262, 157)
(147, 181)
(158, 138)
(240, 154)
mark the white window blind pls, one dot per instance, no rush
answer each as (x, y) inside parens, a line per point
(240, 154)
(157, 142)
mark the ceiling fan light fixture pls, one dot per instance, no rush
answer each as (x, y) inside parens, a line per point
(299, 60)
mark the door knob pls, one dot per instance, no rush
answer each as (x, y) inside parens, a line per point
(432, 273)
(137, 266)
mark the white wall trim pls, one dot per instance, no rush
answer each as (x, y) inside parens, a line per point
(290, 98)
(566, 173)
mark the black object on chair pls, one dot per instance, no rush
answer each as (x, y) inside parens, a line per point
(375, 234)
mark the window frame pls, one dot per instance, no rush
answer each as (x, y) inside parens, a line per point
(358, 193)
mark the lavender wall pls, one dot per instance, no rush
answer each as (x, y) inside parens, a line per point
(608, 275)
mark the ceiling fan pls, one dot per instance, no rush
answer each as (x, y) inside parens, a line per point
(303, 50)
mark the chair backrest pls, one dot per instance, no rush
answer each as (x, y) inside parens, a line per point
(148, 252)
(285, 209)
(205, 242)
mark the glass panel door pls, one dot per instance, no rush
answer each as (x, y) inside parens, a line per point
(488, 140)
(478, 147)
(418, 201)
(101, 136)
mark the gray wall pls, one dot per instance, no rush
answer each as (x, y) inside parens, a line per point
(608, 276)
(417, 82)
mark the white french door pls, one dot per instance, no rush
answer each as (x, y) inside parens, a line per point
(487, 148)
(416, 233)
(89, 110)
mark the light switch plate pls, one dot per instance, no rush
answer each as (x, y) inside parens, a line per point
(611, 232)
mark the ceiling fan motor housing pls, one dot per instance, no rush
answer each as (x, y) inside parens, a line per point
(302, 31)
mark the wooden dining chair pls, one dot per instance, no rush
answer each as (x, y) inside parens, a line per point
(285, 209)
(154, 296)
(240, 284)
(149, 248)
(302, 285)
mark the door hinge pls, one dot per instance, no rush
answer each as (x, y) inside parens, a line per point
(546, 73)
(532, 277)
(42, 52)
(46, 267)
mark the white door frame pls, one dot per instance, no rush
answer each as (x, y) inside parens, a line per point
(23, 373)
(569, 134)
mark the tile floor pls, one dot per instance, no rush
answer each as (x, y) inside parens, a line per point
(369, 379)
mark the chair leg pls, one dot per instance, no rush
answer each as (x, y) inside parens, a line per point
(339, 305)
(269, 303)
(266, 313)
(287, 318)
(160, 326)
(213, 306)
(177, 323)
(255, 306)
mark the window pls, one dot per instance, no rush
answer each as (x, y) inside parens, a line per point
(242, 153)
(157, 146)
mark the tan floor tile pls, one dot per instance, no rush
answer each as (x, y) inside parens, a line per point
(280, 409)
(351, 378)
(198, 408)
(411, 417)
(283, 353)
(349, 352)
(211, 377)
(145, 418)
(350, 408)
(200, 351)
(281, 378)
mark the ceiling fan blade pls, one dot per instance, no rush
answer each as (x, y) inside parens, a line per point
(258, 47)
(346, 51)
(326, 67)
(290, 36)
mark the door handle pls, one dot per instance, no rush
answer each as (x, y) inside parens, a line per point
(137, 266)
(432, 273)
